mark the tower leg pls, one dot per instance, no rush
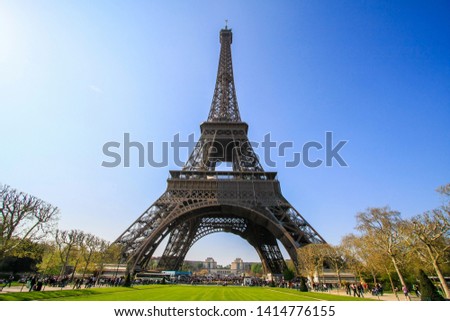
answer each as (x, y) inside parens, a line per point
(267, 247)
(180, 241)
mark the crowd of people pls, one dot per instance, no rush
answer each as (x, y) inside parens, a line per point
(359, 289)
(38, 282)
(356, 289)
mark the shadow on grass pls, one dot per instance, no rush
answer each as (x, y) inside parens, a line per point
(61, 294)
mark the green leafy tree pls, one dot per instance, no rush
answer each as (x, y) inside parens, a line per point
(128, 280)
(187, 267)
(12, 264)
(427, 289)
(256, 269)
(303, 287)
(288, 275)
(50, 263)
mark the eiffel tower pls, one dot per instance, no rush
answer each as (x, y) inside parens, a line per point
(199, 200)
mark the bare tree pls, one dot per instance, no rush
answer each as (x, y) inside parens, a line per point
(106, 253)
(322, 253)
(23, 218)
(370, 259)
(335, 255)
(311, 258)
(67, 241)
(431, 237)
(351, 246)
(364, 257)
(382, 229)
(91, 245)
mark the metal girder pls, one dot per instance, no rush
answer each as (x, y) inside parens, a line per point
(190, 231)
(223, 142)
(266, 245)
(224, 106)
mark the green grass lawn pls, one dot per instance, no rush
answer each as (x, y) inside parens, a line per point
(177, 293)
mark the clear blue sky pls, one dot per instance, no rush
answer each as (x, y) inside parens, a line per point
(77, 74)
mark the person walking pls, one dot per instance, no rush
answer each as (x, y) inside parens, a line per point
(406, 293)
(360, 288)
(9, 281)
(32, 284)
(416, 290)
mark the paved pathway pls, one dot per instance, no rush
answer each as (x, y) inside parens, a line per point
(384, 297)
(25, 289)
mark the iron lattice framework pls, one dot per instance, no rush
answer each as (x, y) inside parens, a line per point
(246, 201)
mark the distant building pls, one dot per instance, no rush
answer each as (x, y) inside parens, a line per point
(210, 264)
(237, 268)
(237, 264)
(113, 271)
